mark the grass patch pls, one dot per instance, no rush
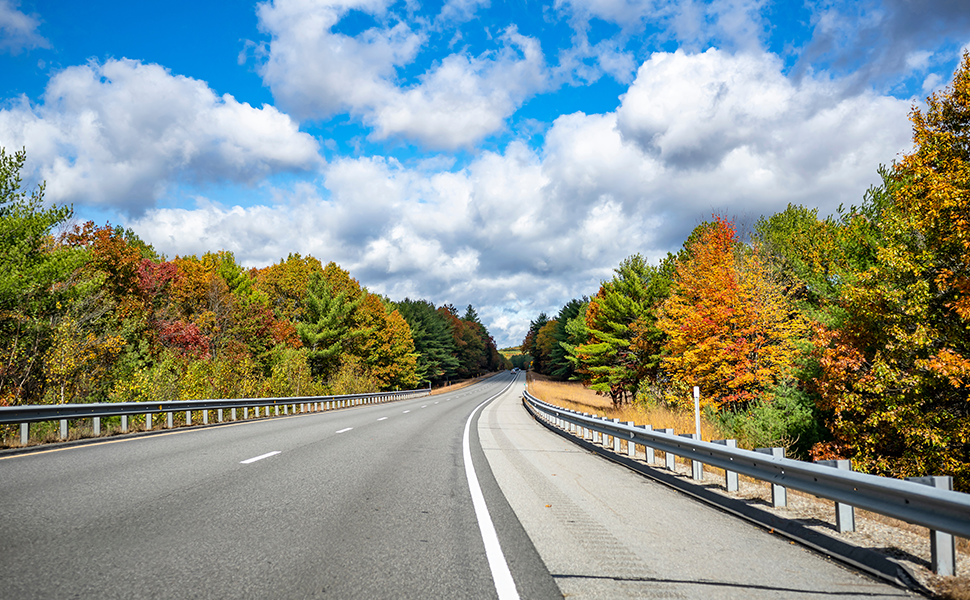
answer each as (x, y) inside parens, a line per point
(575, 396)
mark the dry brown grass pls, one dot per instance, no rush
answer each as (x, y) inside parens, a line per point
(575, 396)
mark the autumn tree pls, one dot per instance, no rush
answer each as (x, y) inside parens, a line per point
(388, 352)
(731, 329)
(897, 369)
(529, 347)
(286, 284)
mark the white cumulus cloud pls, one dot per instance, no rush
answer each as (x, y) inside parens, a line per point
(18, 30)
(120, 133)
(315, 73)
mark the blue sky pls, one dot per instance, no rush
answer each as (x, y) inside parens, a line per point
(504, 154)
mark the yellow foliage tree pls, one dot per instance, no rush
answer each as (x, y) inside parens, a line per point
(731, 329)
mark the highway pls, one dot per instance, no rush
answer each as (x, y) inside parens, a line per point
(375, 502)
(369, 502)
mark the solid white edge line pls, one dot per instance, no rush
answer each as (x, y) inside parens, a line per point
(504, 584)
(260, 457)
(345, 430)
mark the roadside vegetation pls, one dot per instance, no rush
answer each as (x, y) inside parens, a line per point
(92, 313)
(837, 337)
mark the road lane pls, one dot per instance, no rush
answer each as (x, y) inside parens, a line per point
(370, 502)
(606, 532)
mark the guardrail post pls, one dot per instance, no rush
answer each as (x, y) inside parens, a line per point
(97, 426)
(124, 423)
(24, 433)
(63, 429)
(779, 495)
(188, 418)
(844, 513)
(169, 420)
(246, 413)
(648, 454)
(942, 546)
(205, 417)
(616, 440)
(696, 466)
(219, 415)
(148, 421)
(631, 448)
(730, 477)
(285, 406)
(670, 456)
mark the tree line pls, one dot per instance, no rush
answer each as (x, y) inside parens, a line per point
(94, 314)
(838, 337)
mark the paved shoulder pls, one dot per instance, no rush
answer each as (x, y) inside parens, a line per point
(604, 532)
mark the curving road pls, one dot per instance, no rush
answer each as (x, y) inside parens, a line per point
(375, 502)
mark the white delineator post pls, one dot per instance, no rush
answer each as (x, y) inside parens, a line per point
(697, 412)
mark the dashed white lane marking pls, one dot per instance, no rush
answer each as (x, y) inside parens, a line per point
(407, 411)
(345, 430)
(501, 576)
(425, 406)
(382, 418)
(260, 457)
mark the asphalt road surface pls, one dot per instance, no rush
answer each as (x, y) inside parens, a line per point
(377, 501)
(604, 531)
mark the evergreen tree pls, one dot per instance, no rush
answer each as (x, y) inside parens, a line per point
(433, 341)
(328, 329)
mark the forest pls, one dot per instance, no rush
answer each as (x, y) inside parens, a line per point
(94, 314)
(839, 337)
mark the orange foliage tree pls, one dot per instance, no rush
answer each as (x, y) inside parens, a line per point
(731, 329)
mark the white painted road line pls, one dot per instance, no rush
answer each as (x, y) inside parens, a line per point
(501, 576)
(260, 457)
(345, 430)
(382, 418)
(425, 406)
(407, 411)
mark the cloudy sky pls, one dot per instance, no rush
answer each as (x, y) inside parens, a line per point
(502, 153)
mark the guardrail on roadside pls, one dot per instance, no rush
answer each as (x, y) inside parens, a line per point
(64, 412)
(925, 501)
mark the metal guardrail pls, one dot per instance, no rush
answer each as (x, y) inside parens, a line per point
(52, 412)
(940, 510)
